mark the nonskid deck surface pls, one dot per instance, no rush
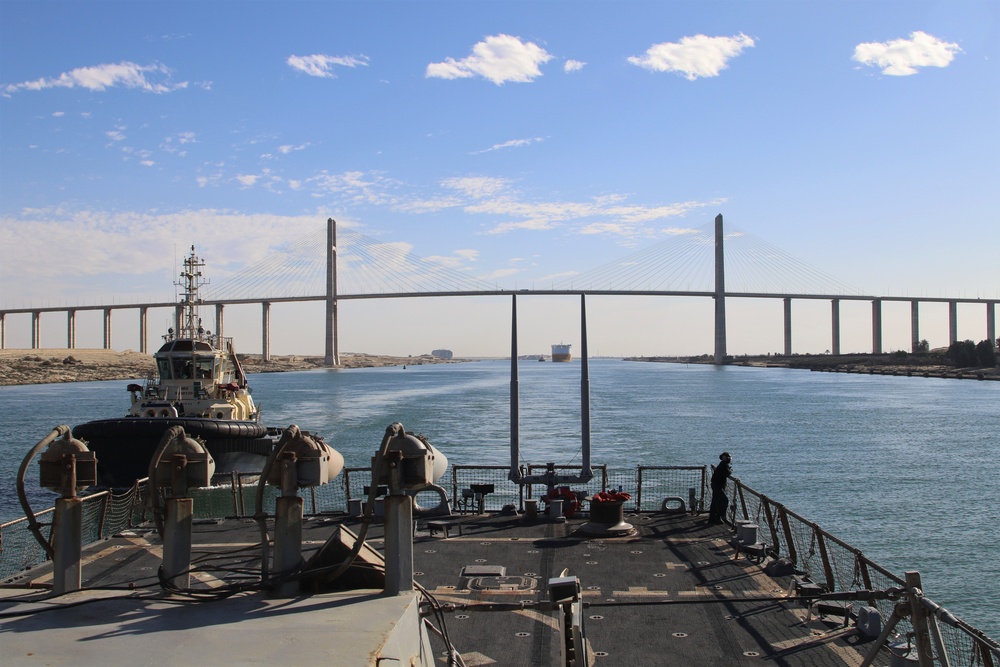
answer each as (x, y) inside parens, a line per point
(716, 610)
(671, 594)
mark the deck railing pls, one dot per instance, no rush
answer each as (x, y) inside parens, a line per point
(818, 555)
(840, 567)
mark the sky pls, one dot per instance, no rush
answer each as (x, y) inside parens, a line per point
(518, 143)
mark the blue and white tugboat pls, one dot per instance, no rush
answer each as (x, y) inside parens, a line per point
(198, 384)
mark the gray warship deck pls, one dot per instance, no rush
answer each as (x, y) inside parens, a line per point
(673, 593)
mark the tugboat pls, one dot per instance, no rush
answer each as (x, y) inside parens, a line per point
(198, 384)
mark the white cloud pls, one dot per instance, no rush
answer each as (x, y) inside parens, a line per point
(600, 216)
(902, 57)
(101, 77)
(499, 58)
(477, 187)
(693, 57)
(500, 273)
(431, 205)
(513, 143)
(132, 243)
(58, 114)
(147, 163)
(115, 135)
(573, 66)
(247, 180)
(353, 187)
(322, 65)
(171, 144)
(288, 148)
(458, 260)
(559, 276)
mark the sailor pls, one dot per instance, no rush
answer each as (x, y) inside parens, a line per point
(720, 502)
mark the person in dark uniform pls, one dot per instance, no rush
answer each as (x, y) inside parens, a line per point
(720, 502)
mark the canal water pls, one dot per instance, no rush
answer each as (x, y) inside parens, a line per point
(903, 468)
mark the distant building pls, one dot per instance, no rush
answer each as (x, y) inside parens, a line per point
(441, 354)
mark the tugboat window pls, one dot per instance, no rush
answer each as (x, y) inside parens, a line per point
(203, 367)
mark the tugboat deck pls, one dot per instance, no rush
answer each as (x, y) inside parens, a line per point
(674, 593)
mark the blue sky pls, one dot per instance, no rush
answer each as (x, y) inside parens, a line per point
(517, 142)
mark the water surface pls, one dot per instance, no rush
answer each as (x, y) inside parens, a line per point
(903, 468)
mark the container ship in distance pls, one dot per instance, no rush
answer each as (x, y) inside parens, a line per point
(561, 352)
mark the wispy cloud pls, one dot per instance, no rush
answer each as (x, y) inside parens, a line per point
(609, 214)
(148, 78)
(133, 244)
(322, 65)
(693, 57)
(288, 148)
(500, 273)
(902, 57)
(478, 187)
(457, 260)
(173, 143)
(573, 66)
(599, 216)
(513, 143)
(499, 58)
(285, 149)
(352, 187)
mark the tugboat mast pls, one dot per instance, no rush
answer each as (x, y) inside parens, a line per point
(191, 280)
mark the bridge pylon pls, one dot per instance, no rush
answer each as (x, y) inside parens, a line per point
(332, 347)
(720, 294)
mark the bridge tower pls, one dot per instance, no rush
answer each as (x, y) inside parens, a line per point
(332, 356)
(720, 294)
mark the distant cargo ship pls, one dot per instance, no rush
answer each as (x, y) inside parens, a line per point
(561, 352)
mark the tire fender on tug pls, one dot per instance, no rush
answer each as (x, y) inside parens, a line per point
(209, 428)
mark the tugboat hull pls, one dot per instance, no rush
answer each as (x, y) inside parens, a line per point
(124, 446)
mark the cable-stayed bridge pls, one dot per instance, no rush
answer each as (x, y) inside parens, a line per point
(330, 265)
(368, 268)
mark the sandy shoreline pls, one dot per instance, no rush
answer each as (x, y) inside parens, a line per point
(864, 364)
(43, 366)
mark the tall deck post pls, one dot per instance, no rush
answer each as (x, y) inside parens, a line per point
(914, 326)
(3, 331)
(720, 294)
(107, 328)
(586, 471)
(877, 326)
(835, 325)
(332, 356)
(788, 326)
(220, 322)
(71, 329)
(178, 318)
(515, 412)
(265, 333)
(144, 329)
(952, 322)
